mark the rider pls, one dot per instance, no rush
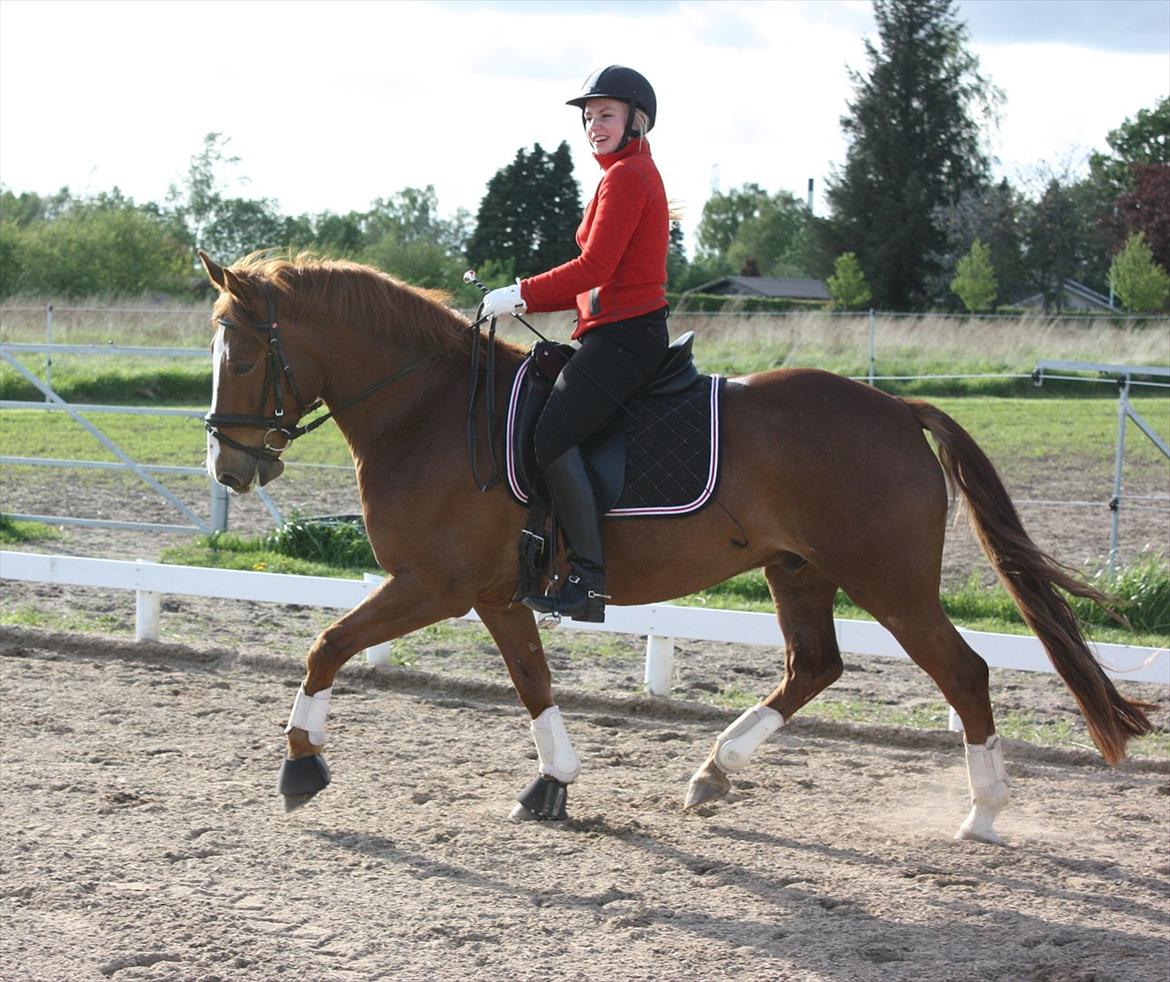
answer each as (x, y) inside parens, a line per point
(619, 286)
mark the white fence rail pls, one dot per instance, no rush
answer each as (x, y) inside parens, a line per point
(660, 623)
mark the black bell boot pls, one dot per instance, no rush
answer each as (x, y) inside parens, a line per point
(583, 596)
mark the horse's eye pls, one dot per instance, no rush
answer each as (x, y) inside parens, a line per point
(242, 368)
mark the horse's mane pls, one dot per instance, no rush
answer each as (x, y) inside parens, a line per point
(323, 291)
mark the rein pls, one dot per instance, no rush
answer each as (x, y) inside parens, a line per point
(276, 368)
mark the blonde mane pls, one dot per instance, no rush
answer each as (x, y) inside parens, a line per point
(327, 291)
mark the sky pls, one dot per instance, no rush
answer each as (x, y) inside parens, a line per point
(330, 105)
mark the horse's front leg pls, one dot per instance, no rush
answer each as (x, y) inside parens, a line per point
(400, 605)
(513, 628)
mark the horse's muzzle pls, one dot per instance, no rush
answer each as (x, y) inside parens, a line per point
(241, 472)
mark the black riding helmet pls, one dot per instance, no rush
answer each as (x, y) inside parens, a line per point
(619, 82)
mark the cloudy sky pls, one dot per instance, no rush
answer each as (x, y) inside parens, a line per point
(330, 105)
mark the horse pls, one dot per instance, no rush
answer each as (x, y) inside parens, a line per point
(827, 484)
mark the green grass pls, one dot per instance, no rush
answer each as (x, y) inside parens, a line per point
(62, 617)
(226, 550)
(1141, 589)
(98, 379)
(16, 533)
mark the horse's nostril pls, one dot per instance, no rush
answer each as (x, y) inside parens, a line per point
(231, 481)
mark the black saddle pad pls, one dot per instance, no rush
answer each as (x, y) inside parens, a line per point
(671, 449)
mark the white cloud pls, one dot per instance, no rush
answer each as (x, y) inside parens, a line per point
(331, 105)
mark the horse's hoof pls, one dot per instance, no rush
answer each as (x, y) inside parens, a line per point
(521, 814)
(302, 778)
(977, 827)
(294, 801)
(708, 783)
(544, 800)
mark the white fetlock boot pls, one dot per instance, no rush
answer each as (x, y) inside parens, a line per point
(733, 748)
(988, 780)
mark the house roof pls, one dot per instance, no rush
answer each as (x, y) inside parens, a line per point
(766, 286)
(1090, 297)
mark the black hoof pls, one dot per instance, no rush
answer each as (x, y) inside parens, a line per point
(302, 778)
(545, 799)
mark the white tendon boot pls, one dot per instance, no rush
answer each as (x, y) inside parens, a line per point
(545, 797)
(989, 790)
(733, 748)
(309, 713)
(557, 757)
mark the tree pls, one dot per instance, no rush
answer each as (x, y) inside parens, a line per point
(847, 285)
(774, 240)
(1137, 278)
(197, 198)
(975, 280)
(530, 213)
(238, 226)
(1058, 241)
(915, 144)
(724, 213)
(1146, 209)
(1145, 139)
(676, 256)
(991, 215)
(100, 245)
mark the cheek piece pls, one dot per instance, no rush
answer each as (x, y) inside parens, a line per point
(309, 713)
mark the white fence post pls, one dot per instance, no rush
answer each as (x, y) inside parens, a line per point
(659, 665)
(147, 604)
(220, 506)
(379, 654)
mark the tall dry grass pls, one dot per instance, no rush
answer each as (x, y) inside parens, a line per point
(726, 343)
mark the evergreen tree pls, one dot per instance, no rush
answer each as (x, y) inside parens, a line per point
(529, 216)
(847, 285)
(991, 215)
(915, 145)
(974, 282)
(1059, 241)
(1139, 281)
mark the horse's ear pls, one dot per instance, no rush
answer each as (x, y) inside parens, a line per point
(232, 284)
(214, 270)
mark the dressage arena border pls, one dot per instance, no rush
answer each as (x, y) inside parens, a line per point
(660, 623)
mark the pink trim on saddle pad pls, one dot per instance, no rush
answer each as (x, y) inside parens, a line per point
(683, 509)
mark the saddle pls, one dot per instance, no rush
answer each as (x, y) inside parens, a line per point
(659, 456)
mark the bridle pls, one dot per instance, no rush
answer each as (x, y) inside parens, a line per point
(277, 373)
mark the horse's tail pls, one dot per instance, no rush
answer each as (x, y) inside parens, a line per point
(1032, 578)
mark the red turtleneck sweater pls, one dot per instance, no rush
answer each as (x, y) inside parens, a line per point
(623, 238)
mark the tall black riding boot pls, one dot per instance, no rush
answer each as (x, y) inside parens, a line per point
(583, 596)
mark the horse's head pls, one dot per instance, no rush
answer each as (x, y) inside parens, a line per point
(259, 384)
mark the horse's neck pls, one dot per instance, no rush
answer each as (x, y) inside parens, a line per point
(422, 414)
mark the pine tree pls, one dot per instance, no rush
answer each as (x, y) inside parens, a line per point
(915, 145)
(529, 216)
(975, 280)
(1139, 281)
(847, 285)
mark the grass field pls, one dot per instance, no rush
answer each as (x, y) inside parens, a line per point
(1062, 424)
(728, 345)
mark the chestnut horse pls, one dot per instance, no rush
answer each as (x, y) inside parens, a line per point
(827, 484)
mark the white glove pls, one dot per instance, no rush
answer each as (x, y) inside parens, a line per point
(505, 300)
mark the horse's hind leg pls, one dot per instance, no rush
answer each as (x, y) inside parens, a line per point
(932, 641)
(812, 662)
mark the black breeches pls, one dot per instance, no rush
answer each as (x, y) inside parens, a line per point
(615, 361)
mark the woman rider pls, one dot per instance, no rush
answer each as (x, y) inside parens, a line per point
(618, 285)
